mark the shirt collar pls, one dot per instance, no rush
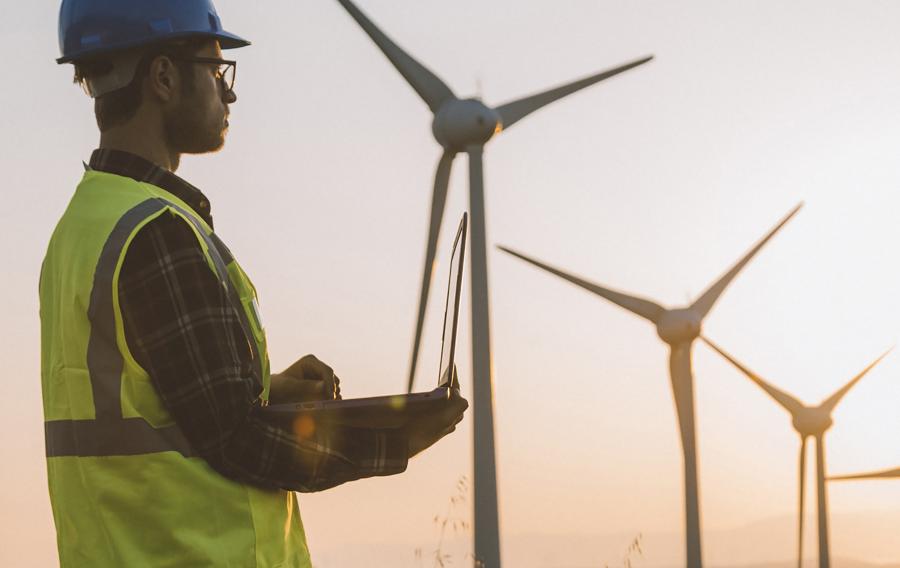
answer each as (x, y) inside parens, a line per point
(129, 165)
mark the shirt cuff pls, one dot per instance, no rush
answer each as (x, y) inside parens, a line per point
(380, 452)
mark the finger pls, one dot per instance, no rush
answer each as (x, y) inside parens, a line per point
(332, 386)
(302, 368)
(316, 369)
(301, 390)
(336, 387)
(457, 406)
(307, 388)
(322, 372)
(325, 373)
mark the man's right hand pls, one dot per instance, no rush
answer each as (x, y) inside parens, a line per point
(430, 428)
(306, 380)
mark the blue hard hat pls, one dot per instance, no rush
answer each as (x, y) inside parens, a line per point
(93, 27)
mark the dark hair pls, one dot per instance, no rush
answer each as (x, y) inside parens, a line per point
(121, 105)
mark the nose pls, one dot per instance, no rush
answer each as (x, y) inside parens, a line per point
(230, 97)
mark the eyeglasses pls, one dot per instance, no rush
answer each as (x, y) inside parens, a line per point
(225, 71)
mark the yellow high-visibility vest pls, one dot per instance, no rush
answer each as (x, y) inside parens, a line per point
(125, 486)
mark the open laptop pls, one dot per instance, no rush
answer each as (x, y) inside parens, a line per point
(395, 411)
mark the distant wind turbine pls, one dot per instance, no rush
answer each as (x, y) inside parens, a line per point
(809, 421)
(465, 125)
(678, 327)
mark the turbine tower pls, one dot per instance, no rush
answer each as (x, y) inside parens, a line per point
(465, 125)
(677, 327)
(809, 421)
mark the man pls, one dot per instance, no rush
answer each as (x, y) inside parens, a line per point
(154, 363)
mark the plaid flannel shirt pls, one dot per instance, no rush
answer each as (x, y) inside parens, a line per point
(183, 331)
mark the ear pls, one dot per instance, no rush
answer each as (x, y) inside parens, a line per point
(163, 79)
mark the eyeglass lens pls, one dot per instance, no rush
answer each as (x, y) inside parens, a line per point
(226, 74)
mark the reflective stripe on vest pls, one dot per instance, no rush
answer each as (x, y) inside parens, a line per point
(218, 250)
(122, 437)
(110, 434)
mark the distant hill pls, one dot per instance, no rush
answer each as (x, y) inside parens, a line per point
(812, 563)
(770, 543)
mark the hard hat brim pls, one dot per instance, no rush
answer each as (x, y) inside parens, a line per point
(226, 41)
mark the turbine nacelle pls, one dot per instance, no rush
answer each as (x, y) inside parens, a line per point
(467, 122)
(812, 421)
(679, 326)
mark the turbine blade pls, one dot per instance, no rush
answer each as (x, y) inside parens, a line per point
(887, 474)
(802, 496)
(705, 302)
(681, 375)
(432, 90)
(514, 111)
(639, 306)
(834, 399)
(789, 403)
(438, 200)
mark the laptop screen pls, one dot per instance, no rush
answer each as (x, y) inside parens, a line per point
(451, 308)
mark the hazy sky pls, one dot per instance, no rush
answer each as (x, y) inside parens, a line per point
(653, 182)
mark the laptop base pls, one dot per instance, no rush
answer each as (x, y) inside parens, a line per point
(394, 411)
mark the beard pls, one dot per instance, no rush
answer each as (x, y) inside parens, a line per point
(193, 128)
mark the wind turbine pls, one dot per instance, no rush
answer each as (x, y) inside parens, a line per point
(465, 125)
(678, 327)
(809, 421)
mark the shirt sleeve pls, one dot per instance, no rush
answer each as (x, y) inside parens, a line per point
(181, 328)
